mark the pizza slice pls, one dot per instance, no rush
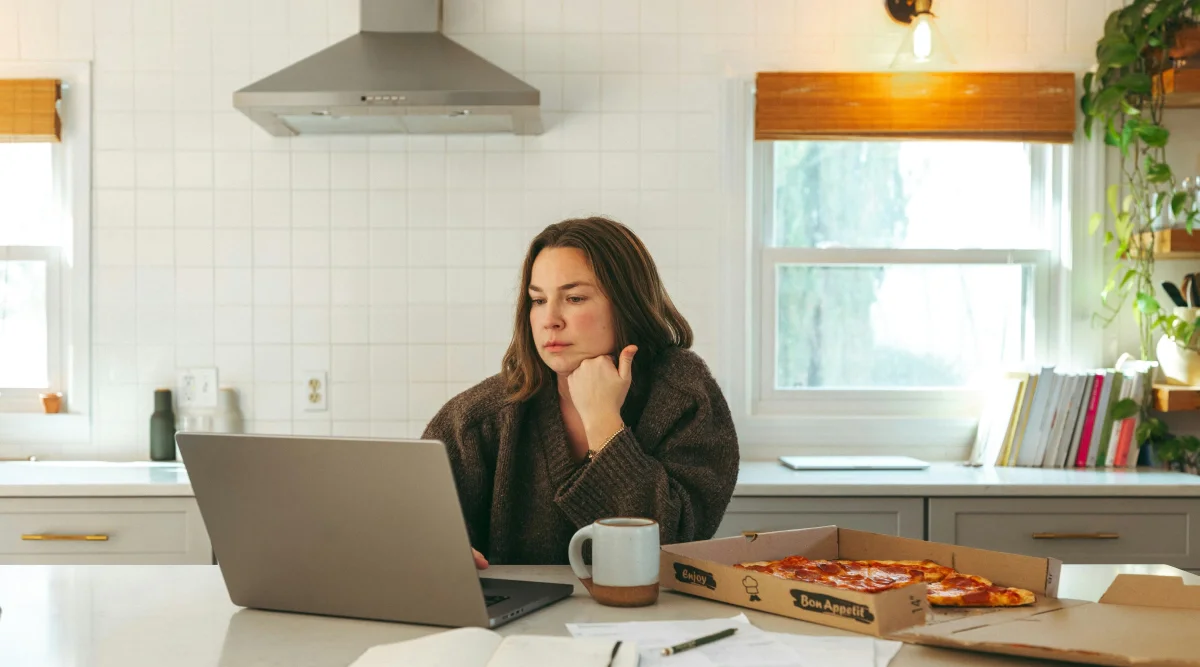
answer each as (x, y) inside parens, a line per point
(966, 590)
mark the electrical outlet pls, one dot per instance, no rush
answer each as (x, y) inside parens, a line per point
(314, 389)
(196, 388)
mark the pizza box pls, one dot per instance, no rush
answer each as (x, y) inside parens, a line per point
(705, 569)
(1140, 620)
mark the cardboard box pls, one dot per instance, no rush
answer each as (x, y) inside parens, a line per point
(706, 569)
(1141, 620)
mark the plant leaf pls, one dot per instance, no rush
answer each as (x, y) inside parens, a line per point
(1146, 303)
(1129, 275)
(1158, 172)
(1153, 135)
(1111, 194)
(1178, 201)
(1129, 109)
(1107, 99)
(1158, 17)
(1094, 223)
(1123, 226)
(1108, 237)
(1138, 83)
(1118, 54)
(1124, 409)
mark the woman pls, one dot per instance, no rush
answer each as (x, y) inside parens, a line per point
(570, 431)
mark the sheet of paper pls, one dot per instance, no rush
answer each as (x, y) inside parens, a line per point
(885, 650)
(814, 651)
(748, 646)
(464, 647)
(536, 651)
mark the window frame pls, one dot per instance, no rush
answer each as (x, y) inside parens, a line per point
(932, 424)
(26, 400)
(69, 433)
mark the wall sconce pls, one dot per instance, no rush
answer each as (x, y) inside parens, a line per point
(923, 47)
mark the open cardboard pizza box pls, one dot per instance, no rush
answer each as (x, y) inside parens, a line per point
(706, 569)
(1141, 620)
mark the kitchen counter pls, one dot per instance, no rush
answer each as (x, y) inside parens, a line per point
(34, 479)
(181, 615)
(770, 478)
(756, 478)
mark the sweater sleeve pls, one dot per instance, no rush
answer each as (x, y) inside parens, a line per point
(684, 483)
(465, 447)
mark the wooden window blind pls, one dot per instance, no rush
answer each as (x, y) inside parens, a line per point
(1036, 107)
(29, 110)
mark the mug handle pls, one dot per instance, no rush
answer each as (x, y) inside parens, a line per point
(575, 555)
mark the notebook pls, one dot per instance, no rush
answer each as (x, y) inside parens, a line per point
(476, 647)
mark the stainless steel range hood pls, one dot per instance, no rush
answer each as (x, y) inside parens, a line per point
(398, 75)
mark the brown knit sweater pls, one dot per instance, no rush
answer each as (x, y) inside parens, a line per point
(523, 496)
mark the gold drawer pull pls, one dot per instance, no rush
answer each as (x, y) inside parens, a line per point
(66, 538)
(1076, 536)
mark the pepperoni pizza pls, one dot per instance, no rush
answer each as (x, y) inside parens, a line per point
(945, 586)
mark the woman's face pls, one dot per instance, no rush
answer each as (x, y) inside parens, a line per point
(570, 317)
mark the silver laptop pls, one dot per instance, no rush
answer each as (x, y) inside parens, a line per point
(853, 463)
(347, 527)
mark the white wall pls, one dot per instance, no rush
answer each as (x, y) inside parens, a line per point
(391, 261)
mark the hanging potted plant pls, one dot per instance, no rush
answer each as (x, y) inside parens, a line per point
(1123, 99)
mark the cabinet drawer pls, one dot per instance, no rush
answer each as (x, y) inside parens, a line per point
(102, 531)
(1075, 530)
(891, 516)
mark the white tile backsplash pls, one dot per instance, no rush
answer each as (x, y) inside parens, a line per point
(392, 262)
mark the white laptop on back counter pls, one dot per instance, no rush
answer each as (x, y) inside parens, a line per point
(853, 463)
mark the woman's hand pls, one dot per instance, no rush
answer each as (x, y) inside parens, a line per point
(598, 390)
(480, 562)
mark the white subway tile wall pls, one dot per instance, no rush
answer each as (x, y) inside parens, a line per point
(391, 262)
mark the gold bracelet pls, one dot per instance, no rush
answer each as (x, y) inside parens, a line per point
(593, 452)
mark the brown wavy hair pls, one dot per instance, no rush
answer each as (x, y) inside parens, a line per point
(643, 314)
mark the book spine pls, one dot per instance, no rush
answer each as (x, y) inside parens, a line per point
(1089, 422)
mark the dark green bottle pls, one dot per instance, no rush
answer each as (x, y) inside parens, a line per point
(162, 427)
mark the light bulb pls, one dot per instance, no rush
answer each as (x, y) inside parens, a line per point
(922, 38)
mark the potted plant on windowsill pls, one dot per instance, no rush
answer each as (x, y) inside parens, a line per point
(1123, 100)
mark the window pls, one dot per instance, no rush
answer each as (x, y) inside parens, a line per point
(896, 277)
(30, 288)
(45, 242)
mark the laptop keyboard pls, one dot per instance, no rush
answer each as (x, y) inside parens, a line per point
(494, 599)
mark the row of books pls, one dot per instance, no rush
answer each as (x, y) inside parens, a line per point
(1055, 419)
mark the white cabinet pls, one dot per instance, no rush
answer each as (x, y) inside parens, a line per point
(102, 531)
(1075, 530)
(904, 517)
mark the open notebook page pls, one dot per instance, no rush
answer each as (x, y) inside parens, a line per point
(476, 647)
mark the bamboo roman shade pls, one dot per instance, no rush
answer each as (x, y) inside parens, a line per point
(1005, 106)
(29, 110)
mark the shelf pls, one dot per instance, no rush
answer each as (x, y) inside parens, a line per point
(1182, 88)
(1170, 398)
(1174, 244)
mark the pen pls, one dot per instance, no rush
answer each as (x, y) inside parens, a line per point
(707, 639)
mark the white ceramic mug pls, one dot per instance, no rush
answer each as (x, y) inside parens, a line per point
(624, 571)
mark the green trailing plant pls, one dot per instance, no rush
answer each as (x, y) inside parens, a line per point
(1124, 100)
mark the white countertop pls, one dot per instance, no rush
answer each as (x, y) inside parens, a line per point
(180, 615)
(93, 478)
(770, 478)
(756, 478)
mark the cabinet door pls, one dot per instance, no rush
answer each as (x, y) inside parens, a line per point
(1074, 530)
(904, 517)
(102, 531)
